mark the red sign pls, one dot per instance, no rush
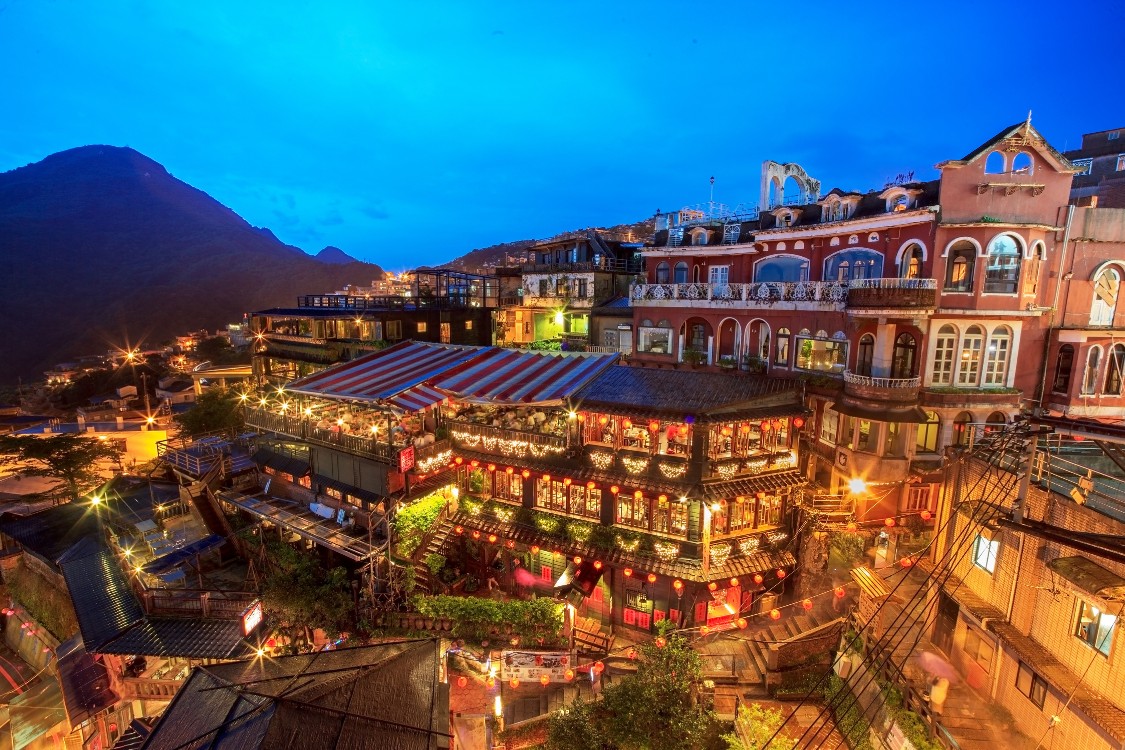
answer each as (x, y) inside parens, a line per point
(251, 618)
(406, 459)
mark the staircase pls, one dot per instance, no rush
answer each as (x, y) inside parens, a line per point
(434, 543)
(753, 660)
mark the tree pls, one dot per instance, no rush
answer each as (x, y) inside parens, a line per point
(654, 708)
(215, 409)
(302, 594)
(755, 726)
(71, 459)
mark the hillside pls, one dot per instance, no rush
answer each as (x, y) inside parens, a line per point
(102, 247)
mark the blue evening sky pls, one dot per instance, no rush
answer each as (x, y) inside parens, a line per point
(411, 132)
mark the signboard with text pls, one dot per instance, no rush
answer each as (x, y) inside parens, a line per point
(529, 666)
(252, 617)
(406, 459)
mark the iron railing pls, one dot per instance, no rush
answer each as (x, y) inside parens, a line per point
(754, 293)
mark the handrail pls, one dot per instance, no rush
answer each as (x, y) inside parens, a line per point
(498, 439)
(293, 339)
(893, 283)
(853, 379)
(751, 293)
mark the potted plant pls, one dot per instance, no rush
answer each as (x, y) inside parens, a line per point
(752, 363)
(727, 362)
(693, 358)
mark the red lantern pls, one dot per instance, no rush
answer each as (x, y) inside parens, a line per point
(653, 426)
(775, 614)
(490, 682)
(734, 582)
(765, 425)
(839, 592)
(780, 573)
(632, 653)
(492, 539)
(526, 473)
(544, 680)
(704, 629)
(474, 463)
(615, 489)
(591, 485)
(677, 585)
(760, 495)
(890, 522)
(509, 470)
(568, 481)
(577, 560)
(599, 667)
(662, 498)
(712, 586)
(725, 431)
(906, 562)
(458, 460)
(776, 424)
(546, 477)
(458, 529)
(683, 431)
(758, 578)
(569, 675)
(740, 499)
(271, 643)
(628, 572)
(476, 535)
(602, 420)
(661, 641)
(462, 681)
(798, 422)
(535, 549)
(851, 526)
(926, 515)
(510, 544)
(807, 604)
(492, 467)
(627, 424)
(652, 577)
(741, 622)
(514, 682)
(597, 564)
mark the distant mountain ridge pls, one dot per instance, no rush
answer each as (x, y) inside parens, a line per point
(103, 247)
(335, 255)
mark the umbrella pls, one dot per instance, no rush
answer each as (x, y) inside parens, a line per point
(937, 666)
(525, 577)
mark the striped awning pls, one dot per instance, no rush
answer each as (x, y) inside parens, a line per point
(385, 373)
(418, 398)
(520, 376)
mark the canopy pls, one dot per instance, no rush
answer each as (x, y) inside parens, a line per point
(418, 398)
(518, 376)
(1086, 575)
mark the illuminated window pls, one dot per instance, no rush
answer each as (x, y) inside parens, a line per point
(421, 327)
(928, 433)
(1115, 365)
(996, 359)
(1094, 627)
(959, 269)
(829, 425)
(968, 369)
(984, 553)
(945, 345)
(1031, 685)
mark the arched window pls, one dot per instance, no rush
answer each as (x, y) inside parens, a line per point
(959, 267)
(699, 238)
(968, 369)
(1063, 366)
(994, 164)
(1106, 288)
(996, 359)
(927, 438)
(680, 276)
(962, 432)
(1002, 274)
(1022, 163)
(781, 268)
(1090, 375)
(995, 420)
(853, 264)
(662, 272)
(1114, 366)
(910, 265)
(903, 357)
(900, 203)
(866, 354)
(782, 355)
(945, 344)
(697, 338)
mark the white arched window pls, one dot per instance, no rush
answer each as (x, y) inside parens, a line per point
(968, 368)
(1090, 374)
(1114, 370)
(1107, 284)
(662, 272)
(1002, 273)
(996, 359)
(959, 267)
(910, 265)
(994, 164)
(680, 273)
(945, 344)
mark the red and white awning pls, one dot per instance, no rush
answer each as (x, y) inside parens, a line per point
(522, 377)
(418, 398)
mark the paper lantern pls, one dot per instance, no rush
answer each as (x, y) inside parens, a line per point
(839, 592)
(597, 564)
(758, 578)
(602, 420)
(490, 682)
(591, 485)
(775, 614)
(546, 477)
(569, 675)
(458, 460)
(662, 498)
(765, 425)
(577, 560)
(526, 473)
(535, 549)
(677, 585)
(509, 470)
(615, 489)
(741, 622)
(510, 544)
(653, 426)
(568, 481)
(462, 682)
(906, 562)
(780, 573)
(926, 515)
(628, 572)
(638, 495)
(683, 431)
(599, 667)
(890, 522)
(474, 463)
(734, 582)
(476, 535)
(712, 586)
(798, 422)
(458, 529)
(807, 604)
(492, 539)
(514, 682)
(544, 680)
(627, 424)
(652, 577)
(632, 653)
(492, 467)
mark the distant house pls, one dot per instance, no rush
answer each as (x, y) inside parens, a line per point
(175, 390)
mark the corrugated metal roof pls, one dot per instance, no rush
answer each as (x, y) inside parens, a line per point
(418, 398)
(526, 377)
(1090, 577)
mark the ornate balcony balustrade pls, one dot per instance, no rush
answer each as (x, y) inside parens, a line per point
(759, 294)
(882, 389)
(892, 293)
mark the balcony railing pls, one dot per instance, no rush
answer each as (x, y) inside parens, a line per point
(222, 605)
(140, 689)
(892, 293)
(298, 427)
(850, 378)
(554, 301)
(505, 442)
(751, 294)
(294, 339)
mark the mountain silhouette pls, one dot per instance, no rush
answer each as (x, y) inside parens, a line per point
(102, 247)
(335, 255)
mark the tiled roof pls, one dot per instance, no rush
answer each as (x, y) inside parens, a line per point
(386, 696)
(195, 638)
(684, 568)
(782, 480)
(280, 462)
(1100, 710)
(977, 606)
(685, 392)
(84, 682)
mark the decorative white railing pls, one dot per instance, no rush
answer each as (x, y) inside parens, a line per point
(760, 293)
(892, 283)
(852, 379)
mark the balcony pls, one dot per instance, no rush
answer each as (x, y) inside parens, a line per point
(505, 443)
(143, 689)
(784, 295)
(605, 264)
(897, 390)
(894, 295)
(555, 302)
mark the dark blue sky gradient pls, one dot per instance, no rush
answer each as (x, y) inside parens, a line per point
(411, 132)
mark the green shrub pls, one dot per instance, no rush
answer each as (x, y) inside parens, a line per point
(434, 562)
(50, 607)
(414, 521)
(474, 618)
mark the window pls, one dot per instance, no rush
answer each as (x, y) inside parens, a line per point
(968, 369)
(1106, 288)
(892, 440)
(902, 359)
(782, 352)
(865, 355)
(1022, 164)
(720, 275)
(670, 516)
(928, 433)
(945, 343)
(632, 511)
(663, 272)
(996, 358)
(654, 340)
(900, 203)
(468, 325)
(1090, 376)
(1094, 627)
(984, 553)
(1085, 165)
(829, 425)
(583, 289)
(959, 270)
(918, 499)
(910, 266)
(697, 337)
(1063, 367)
(1113, 369)
(1031, 685)
(585, 502)
(979, 648)
(1121, 162)
(421, 327)
(680, 273)
(562, 286)
(823, 355)
(994, 164)
(1002, 274)
(544, 288)
(394, 330)
(853, 264)
(962, 430)
(862, 439)
(781, 268)
(1113, 135)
